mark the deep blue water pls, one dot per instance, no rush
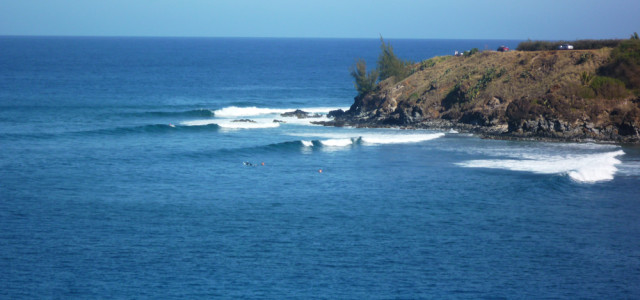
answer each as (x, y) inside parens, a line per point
(122, 176)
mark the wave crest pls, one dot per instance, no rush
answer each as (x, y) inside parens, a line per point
(337, 142)
(374, 138)
(588, 168)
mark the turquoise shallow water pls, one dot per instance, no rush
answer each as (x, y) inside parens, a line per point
(122, 176)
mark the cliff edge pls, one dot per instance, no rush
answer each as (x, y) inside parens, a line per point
(557, 95)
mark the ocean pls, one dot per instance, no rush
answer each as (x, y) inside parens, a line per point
(162, 168)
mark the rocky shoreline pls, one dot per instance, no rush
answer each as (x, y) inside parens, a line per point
(543, 96)
(531, 130)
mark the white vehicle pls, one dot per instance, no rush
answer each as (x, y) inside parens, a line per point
(565, 47)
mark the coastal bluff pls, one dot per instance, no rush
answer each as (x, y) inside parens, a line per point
(548, 95)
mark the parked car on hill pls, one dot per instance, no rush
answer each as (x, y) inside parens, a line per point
(503, 48)
(565, 47)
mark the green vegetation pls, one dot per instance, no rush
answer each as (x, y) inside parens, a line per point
(364, 82)
(584, 57)
(608, 88)
(566, 94)
(577, 45)
(625, 64)
(470, 52)
(432, 62)
(389, 65)
(489, 75)
(585, 78)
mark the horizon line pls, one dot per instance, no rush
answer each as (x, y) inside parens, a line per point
(248, 37)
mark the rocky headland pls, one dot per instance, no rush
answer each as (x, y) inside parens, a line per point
(569, 95)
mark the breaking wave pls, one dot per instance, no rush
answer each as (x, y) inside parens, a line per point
(337, 142)
(234, 111)
(399, 139)
(588, 168)
(345, 139)
(259, 117)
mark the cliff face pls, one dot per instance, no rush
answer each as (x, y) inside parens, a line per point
(544, 94)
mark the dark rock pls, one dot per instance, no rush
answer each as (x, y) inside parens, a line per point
(338, 113)
(475, 118)
(244, 120)
(300, 114)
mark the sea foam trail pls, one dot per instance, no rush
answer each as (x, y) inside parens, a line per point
(373, 138)
(588, 168)
(260, 117)
(399, 139)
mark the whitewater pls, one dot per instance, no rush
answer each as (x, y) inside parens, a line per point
(592, 167)
(164, 168)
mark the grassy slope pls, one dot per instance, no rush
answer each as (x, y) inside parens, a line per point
(479, 90)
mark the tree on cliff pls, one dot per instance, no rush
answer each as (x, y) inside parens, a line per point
(389, 65)
(364, 82)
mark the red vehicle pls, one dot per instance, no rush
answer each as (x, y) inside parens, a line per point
(503, 49)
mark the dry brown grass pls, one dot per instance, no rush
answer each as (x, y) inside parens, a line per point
(549, 83)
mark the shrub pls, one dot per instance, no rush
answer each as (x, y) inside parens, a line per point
(625, 64)
(364, 82)
(522, 109)
(586, 78)
(584, 57)
(625, 114)
(577, 45)
(481, 85)
(470, 52)
(608, 88)
(432, 61)
(454, 97)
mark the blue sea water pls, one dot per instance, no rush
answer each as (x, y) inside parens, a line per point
(123, 175)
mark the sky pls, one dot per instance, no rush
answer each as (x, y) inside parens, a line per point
(420, 19)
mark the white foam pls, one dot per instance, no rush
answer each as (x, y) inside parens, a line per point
(307, 143)
(246, 125)
(337, 142)
(588, 168)
(234, 111)
(399, 138)
(396, 137)
(306, 121)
